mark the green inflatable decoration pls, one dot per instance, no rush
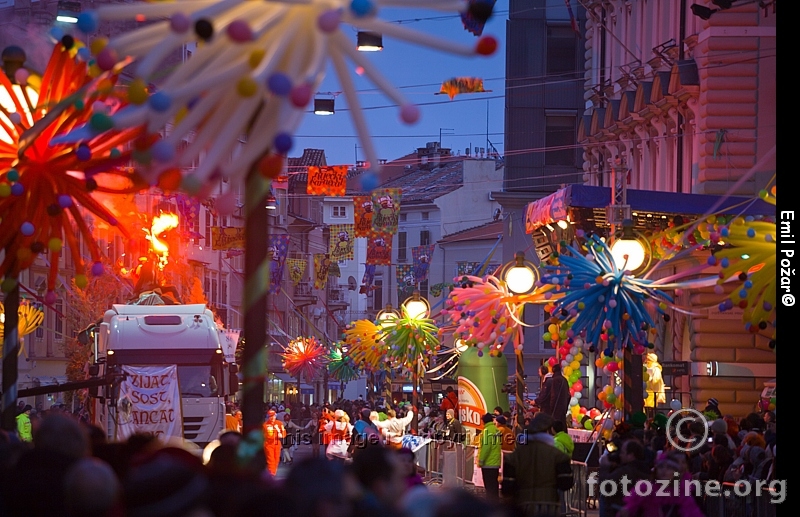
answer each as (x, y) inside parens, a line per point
(480, 385)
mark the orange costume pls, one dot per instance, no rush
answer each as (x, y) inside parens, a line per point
(274, 432)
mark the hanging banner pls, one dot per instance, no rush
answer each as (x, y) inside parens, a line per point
(472, 23)
(386, 212)
(278, 247)
(334, 270)
(362, 215)
(226, 238)
(405, 282)
(188, 209)
(340, 246)
(379, 249)
(369, 278)
(456, 85)
(467, 268)
(321, 264)
(327, 181)
(149, 402)
(422, 256)
(229, 338)
(296, 269)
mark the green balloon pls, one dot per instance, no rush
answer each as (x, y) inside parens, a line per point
(588, 425)
(546, 336)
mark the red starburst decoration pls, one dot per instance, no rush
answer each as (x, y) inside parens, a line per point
(44, 184)
(304, 357)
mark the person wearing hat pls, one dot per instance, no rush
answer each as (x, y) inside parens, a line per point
(536, 470)
(341, 432)
(490, 455)
(450, 400)
(274, 433)
(24, 424)
(394, 428)
(509, 438)
(713, 407)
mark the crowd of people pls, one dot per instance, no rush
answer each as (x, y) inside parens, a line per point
(59, 465)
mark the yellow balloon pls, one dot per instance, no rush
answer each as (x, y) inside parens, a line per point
(553, 329)
(578, 356)
(574, 365)
(567, 371)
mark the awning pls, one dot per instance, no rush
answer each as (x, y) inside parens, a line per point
(555, 207)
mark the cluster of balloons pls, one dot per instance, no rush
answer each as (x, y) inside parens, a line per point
(768, 404)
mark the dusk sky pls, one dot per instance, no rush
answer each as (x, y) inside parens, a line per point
(418, 71)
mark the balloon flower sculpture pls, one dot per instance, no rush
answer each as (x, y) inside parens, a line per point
(304, 357)
(43, 183)
(412, 340)
(30, 318)
(255, 69)
(364, 346)
(341, 367)
(752, 259)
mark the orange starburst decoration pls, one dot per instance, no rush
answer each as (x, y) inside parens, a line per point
(45, 182)
(304, 357)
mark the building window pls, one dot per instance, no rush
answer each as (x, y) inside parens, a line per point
(403, 218)
(402, 246)
(209, 224)
(424, 237)
(339, 212)
(423, 289)
(560, 136)
(377, 295)
(561, 50)
(426, 216)
(223, 289)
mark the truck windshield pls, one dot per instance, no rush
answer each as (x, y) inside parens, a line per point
(197, 381)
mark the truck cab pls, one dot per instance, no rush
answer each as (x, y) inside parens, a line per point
(163, 335)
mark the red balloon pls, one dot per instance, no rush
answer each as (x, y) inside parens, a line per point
(583, 411)
(578, 386)
(612, 367)
(552, 361)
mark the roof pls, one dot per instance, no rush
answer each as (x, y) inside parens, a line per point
(297, 168)
(488, 231)
(426, 184)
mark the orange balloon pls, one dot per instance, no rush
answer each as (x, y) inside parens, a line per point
(271, 165)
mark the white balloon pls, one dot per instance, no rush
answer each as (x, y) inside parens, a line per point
(573, 350)
(675, 404)
(618, 390)
(564, 363)
(617, 414)
(573, 401)
(578, 395)
(608, 424)
(569, 358)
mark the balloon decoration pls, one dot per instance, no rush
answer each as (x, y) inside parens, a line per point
(340, 366)
(30, 318)
(608, 303)
(411, 339)
(44, 183)
(752, 259)
(364, 345)
(304, 357)
(254, 71)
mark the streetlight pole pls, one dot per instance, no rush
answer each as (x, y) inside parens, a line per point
(416, 307)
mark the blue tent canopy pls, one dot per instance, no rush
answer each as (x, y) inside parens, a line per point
(555, 207)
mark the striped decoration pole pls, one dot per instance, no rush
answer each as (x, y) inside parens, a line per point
(10, 352)
(256, 289)
(520, 394)
(632, 383)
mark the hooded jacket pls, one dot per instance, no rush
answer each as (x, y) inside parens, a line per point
(490, 446)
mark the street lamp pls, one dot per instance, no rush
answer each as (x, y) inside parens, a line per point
(520, 277)
(630, 250)
(369, 41)
(416, 308)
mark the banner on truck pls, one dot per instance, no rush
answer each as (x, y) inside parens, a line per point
(149, 402)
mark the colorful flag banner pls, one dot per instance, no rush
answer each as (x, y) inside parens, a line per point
(379, 249)
(362, 215)
(226, 238)
(467, 268)
(405, 282)
(296, 269)
(572, 20)
(334, 270)
(340, 246)
(473, 23)
(278, 247)
(422, 256)
(326, 181)
(456, 85)
(369, 278)
(188, 209)
(386, 211)
(322, 263)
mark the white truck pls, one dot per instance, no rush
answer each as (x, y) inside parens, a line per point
(161, 336)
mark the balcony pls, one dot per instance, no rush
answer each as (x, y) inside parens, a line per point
(304, 295)
(337, 300)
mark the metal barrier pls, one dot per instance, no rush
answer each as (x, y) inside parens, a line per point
(728, 504)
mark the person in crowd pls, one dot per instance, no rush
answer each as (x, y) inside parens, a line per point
(24, 428)
(453, 429)
(662, 500)
(382, 480)
(562, 439)
(274, 433)
(365, 432)
(536, 470)
(712, 409)
(394, 428)
(497, 411)
(325, 416)
(316, 488)
(554, 397)
(450, 400)
(233, 420)
(490, 456)
(770, 427)
(409, 466)
(627, 462)
(509, 439)
(340, 432)
(544, 376)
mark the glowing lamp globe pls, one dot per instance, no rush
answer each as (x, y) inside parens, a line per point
(520, 278)
(628, 254)
(416, 308)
